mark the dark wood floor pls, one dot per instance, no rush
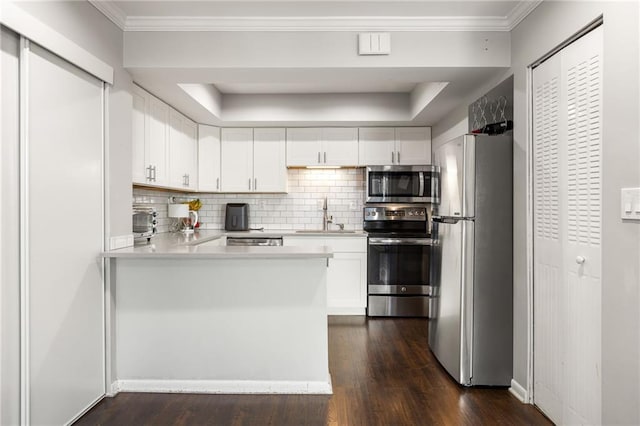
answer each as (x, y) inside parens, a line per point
(382, 372)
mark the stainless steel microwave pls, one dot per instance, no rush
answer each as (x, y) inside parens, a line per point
(402, 184)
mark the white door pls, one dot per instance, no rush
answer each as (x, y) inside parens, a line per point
(413, 145)
(177, 150)
(269, 160)
(304, 146)
(377, 146)
(237, 159)
(64, 289)
(140, 173)
(190, 154)
(340, 146)
(157, 145)
(567, 232)
(208, 158)
(345, 275)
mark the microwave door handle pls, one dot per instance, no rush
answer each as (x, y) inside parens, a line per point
(421, 179)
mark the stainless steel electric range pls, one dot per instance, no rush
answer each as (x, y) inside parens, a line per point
(398, 259)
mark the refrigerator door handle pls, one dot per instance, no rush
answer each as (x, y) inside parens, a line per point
(449, 219)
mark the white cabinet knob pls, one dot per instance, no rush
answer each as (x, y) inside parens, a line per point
(580, 260)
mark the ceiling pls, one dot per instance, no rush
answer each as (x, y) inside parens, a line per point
(318, 16)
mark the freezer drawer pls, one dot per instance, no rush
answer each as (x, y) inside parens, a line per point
(398, 306)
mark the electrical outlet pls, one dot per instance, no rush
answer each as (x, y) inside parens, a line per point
(320, 204)
(263, 204)
(353, 205)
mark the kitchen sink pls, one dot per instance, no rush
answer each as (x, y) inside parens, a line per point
(320, 231)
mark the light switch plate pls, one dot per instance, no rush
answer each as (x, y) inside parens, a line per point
(630, 203)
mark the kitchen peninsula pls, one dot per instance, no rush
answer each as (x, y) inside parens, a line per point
(189, 314)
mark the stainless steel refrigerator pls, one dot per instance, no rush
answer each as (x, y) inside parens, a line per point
(471, 312)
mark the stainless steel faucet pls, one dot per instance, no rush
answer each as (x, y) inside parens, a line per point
(326, 219)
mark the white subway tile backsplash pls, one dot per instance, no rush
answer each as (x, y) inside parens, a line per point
(300, 208)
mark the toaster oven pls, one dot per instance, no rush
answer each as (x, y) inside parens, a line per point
(144, 222)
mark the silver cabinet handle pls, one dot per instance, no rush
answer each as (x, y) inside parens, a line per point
(398, 157)
(255, 184)
(148, 176)
(188, 180)
(392, 157)
(325, 157)
(153, 169)
(217, 183)
(318, 157)
(249, 184)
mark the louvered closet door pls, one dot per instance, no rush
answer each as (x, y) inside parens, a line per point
(567, 232)
(549, 291)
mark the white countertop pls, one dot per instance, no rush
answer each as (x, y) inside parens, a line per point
(179, 245)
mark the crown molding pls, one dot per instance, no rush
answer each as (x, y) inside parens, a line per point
(154, 23)
(341, 23)
(521, 11)
(112, 11)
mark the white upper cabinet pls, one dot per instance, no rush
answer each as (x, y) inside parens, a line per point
(183, 162)
(157, 146)
(381, 146)
(208, 158)
(377, 146)
(413, 145)
(340, 146)
(237, 159)
(322, 146)
(304, 146)
(150, 139)
(253, 160)
(140, 172)
(165, 150)
(269, 167)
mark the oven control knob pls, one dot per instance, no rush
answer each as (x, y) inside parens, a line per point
(403, 289)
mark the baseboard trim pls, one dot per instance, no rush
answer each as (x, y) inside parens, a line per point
(519, 392)
(224, 386)
(345, 311)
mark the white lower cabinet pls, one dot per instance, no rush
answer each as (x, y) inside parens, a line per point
(346, 273)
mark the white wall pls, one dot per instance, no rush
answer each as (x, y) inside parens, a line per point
(82, 23)
(548, 25)
(9, 231)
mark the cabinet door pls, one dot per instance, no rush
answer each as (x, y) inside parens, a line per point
(190, 154)
(340, 146)
(304, 147)
(346, 283)
(156, 147)
(177, 151)
(377, 146)
(208, 158)
(237, 159)
(413, 145)
(269, 160)
(140, 173)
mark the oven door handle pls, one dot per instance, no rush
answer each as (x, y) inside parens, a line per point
(400, 241)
